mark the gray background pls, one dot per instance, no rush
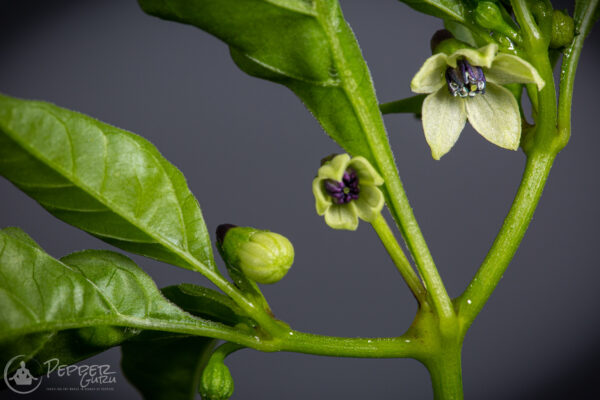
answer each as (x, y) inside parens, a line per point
(250, 150)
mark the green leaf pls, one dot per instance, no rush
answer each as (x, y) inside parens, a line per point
(80, 305)
(206, 303)
(305, 45)
(445, 9)
(164, 367)
(106, 181)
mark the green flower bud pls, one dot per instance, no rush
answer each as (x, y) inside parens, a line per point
(263, 256)
(563, 29)
(438, 37)
(450, 46)
(489, 16)
(216, 382)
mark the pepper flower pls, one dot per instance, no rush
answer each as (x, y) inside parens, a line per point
(466, 85)
(346, 189)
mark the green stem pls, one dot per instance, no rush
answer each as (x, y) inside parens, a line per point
(224, 350)
(395, 347)
(367, 112)
(540, 158)
(446, 374)
(569, 66)
(470, 303)
(266, 321)
(531, 33)
(399, 258)
(409, 105)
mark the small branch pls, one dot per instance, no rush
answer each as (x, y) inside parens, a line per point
(225, 350)
(470, 303)
(369, 117)
(395, 347)
(410, 105)
(257, 313)
(529, 28)
(541, 156)
(397, 254)
(569, 66)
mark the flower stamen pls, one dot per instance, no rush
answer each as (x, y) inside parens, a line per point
(344, 191)
(465, 80)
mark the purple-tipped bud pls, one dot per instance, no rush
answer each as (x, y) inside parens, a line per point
(438, 37)
(222, 231)
(328, 158)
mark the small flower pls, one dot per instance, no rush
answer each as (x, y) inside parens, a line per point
(466, 85)
(346, 189)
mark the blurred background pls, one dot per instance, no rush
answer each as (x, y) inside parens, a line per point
(237, 137)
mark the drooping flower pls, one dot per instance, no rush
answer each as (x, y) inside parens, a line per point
(346, 189)
(467, 85)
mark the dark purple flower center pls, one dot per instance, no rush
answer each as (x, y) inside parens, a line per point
(465, 80)
(346, 190)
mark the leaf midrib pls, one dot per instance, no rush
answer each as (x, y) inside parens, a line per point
(159, 239)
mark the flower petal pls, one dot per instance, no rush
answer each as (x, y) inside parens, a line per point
(334, 168)
(507, 68)
(365, 171)
(444, 117)
(322, 199)
(482, 57)
(369, 203)
(495, 115)
(342, 216)
(431, 75)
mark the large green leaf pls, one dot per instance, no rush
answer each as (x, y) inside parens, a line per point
(303, 44)
(164, 367)
(96, 299)
(445, 9)
(106, 181)
(307, 46)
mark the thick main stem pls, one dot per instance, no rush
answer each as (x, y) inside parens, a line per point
(446, 374)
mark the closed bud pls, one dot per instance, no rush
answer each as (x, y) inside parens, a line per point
(437, 38)
(489, 16)
(563, 30)
(263, 256)
(216, 382)
(450, 46)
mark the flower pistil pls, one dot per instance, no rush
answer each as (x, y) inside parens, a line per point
(346, 190)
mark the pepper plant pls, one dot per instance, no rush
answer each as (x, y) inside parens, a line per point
(116, 186)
